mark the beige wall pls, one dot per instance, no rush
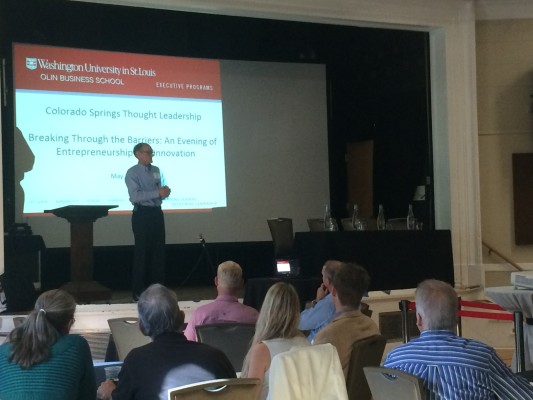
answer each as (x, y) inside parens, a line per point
(504, 53)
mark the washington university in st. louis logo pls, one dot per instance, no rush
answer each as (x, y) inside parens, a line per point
(31, 63)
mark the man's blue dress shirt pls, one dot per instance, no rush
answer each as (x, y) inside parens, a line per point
(455, 368)
(143, 182)
(315, 318)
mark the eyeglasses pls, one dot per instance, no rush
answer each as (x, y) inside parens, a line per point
(147, 152)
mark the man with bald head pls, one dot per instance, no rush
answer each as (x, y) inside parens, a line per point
(226, 307)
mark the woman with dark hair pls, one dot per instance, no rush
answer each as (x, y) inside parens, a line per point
(41, 360)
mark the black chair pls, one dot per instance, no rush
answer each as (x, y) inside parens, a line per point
(347, 224)
(126, 335)
(365, 353)
(232, 338)
(526, 374)
(316, 224)
(397, 224)
(282, 237)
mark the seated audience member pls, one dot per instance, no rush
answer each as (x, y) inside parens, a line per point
(349, 284)
(452, 367)
(170, 360)
(41, 360)
(276, 331)
(226, 307)
(322, 310)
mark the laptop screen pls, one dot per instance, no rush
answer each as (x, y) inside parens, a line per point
(283, 267)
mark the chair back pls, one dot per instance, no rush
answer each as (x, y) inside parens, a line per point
(232, 338)
(220, 389)
(347, 224)
(282, 236)
(310, 373)
(365, 353)
(387, 383)
(397, 224)
(126, 335)
(365, 309)
(316, 224)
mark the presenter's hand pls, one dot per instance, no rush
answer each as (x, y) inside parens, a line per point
(164, 192)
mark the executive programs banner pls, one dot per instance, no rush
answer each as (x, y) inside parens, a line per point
(80, 113)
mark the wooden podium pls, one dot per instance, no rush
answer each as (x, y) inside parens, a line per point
(81, 218)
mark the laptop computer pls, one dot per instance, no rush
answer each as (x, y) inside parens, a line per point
(286, 267)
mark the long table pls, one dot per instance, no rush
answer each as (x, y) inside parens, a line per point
(394, 259)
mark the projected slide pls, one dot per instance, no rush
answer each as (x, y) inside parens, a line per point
(79, 114)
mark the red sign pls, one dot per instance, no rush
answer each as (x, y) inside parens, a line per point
(94, 71)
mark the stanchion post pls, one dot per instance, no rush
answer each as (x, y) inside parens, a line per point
(519, 341)
(404, 308)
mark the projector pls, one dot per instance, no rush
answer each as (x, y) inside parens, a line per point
(522, 279)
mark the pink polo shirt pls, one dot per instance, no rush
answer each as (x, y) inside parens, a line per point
(225, 308)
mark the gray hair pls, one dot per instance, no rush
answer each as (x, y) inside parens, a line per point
(139, 147)
(436, 302)
(229, 275)
(51, 318)
(331, 267)
(159, 311)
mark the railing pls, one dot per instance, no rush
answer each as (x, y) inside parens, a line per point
(503, 257)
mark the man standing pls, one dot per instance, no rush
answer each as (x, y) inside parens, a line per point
(452, 367)
(349, 285)
(170, 360)
(226, 307)
(322, 310)
(147, 190)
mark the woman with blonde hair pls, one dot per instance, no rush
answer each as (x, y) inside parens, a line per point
(41, 360)
(276, 331)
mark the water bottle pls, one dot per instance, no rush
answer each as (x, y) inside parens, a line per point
(328, 221)
(411, 220)
(356, 221)
(381, 219)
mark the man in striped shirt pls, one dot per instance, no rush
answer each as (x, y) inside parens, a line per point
(452, 367)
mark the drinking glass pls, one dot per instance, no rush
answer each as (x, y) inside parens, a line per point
(112, 372)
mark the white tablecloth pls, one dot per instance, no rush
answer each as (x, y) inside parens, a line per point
(512, 300)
